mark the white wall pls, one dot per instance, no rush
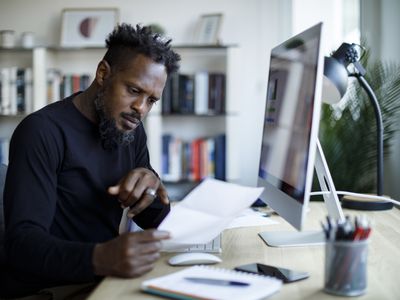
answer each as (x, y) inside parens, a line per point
(307, 13)
(254, 25)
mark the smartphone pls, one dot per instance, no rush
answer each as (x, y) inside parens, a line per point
(285, 275)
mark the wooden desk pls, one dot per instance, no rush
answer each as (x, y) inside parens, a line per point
(243, 245)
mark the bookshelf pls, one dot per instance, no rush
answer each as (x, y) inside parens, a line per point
(187, 127)
(68, 62)
(41, 60)
(16, 86)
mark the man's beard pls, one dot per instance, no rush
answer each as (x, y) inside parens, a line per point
(111, 137)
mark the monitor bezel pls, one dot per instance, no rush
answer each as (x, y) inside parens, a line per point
(285, 205)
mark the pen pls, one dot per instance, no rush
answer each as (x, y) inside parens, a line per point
(216, 281)
(346, 230)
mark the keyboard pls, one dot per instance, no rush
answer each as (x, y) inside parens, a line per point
(213, 246)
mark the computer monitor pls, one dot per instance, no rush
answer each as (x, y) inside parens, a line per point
(289, 149)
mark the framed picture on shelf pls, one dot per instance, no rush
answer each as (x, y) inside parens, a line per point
(208, 29)
(87, 27)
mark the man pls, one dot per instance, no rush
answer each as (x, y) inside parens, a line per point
(75, 164)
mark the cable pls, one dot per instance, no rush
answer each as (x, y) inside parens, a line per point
(357, 195)
(319, 193)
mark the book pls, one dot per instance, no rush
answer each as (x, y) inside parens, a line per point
(166, 140)
(186, 94)
(67, 86)
(28, 90)
(201, 93)
(166, 98)
(216, 93)
(84, 81)
(220, 157)
(210, 172)
(177, 286)
(5, 91)
(175, 103)
(196, 160)
(20, 90)
(4, 146)
(54, 78)
(175, 160)
(75, 83)
(13, 90)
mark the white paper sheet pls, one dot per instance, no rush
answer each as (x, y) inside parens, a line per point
(205, 212)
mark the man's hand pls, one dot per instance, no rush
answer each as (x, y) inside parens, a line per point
(131, 190)
(129, 255)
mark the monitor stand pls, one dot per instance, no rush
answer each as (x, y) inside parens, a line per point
(292, 238)
(309, 238)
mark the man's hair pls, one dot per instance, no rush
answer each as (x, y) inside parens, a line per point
(125, 41)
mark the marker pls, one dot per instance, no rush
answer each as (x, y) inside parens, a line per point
(358, 234)
(216, 281)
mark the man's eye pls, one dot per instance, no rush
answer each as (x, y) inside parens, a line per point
(153, 101)
(134, 91)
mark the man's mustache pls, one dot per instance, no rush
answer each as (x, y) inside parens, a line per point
(132, 115)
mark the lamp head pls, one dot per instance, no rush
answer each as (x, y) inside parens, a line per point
(336, 73)
(334, 81)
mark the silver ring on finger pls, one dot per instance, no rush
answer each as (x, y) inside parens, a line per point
(151, 192)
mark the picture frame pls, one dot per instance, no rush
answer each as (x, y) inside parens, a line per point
(87, 27)
(208, 29)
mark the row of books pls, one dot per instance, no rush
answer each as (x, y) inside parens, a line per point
(193, 160)
(16, 88)
(200, 93)
(16, 91)
(4, 145)
(61, 85)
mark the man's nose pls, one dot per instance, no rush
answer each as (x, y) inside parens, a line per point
(139, 104)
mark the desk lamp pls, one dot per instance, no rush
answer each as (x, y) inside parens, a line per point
(336, 75)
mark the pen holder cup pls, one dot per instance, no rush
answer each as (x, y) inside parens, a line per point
(346, 267)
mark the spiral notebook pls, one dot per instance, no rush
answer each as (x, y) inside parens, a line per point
(179, 285)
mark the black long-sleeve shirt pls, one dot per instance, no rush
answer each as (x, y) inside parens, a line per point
(55, 199)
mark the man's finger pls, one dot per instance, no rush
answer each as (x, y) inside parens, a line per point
(147, 259)
(150, 235)
(114, 190)
(162, 194)
(139, 206)
(149, 247)
(127, 190)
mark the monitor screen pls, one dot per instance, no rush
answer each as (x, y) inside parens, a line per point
(291, 120)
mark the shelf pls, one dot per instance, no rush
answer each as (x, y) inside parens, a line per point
(50, 48)
(205, 46)
(13, 116)
(194, 115)
(59, 48)
(16, 49)
(72, 49)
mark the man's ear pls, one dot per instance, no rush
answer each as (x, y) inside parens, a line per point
(103, 72)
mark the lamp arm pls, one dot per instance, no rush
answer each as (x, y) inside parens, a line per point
(379, 127)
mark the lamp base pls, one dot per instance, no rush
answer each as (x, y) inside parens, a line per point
(361, 203)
